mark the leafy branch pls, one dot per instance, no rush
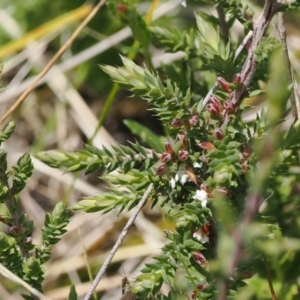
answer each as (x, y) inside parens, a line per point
(17, 252)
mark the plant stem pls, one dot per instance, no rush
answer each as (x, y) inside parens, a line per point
(223, 24)
(118, 242)
(267, 268)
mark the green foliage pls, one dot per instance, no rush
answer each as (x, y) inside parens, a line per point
(231, 186)
(175, 39)
(53, 229)
(72, 294)
(146, 135)
(92, 158)
(17, 253)
(10, 255)
(33, 272)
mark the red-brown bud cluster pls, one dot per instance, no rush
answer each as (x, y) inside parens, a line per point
(224, 84)
(182, 136)
(194, 120)
(237, 79)
(165, 157)
(200, 287)
(161, 170)
(215, 101)
(206, 145)
(15, 230)
(228, 106)
(199, 258)
(176, 123)
(215, 106)
(168, 148)
(183, 155)
(214, 110)
(121, 7)
(218, 134)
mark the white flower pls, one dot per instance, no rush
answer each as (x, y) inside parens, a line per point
(201, 237)
(201, 195)
(196, 165)
(202, 234)
(180, 176)
(173, 183)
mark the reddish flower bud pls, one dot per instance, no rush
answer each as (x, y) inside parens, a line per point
(247, 151)
(193, 295)
(181, 136)
(183, 155)
(218, 134)
(215, 101)
(121, 7)
(165, 157)
(237, 79)
(200, 287)
(206, 145)
(161, 170)
(245, 167)
(247, 274)
(199, 258)
(245, 155)
(194, 120)
(213, 109)
(5, 220)
(169, 149)
(228, 106)
(176, 123)
(205, 228)
(15, 230)
(223, 83)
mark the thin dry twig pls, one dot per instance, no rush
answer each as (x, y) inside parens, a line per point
(252, 204)
(243, 44)
(11, 276)
(60, 52)
(253, 199)
(86, 54)
(237, 53)
(118, 242)
(282, 35)
(251, 64)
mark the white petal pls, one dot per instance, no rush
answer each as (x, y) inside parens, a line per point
(200, 238)
(173, 183)
(184, 178)
(204, 203)
(196, 165)
(200, 195)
